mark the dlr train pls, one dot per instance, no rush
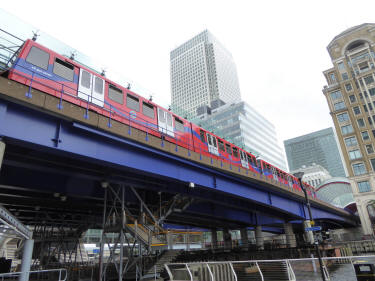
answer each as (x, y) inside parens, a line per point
(40, 68)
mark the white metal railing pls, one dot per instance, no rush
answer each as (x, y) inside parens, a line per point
(62, 272)
(231, 269)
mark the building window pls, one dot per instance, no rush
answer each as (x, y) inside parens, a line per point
(340, 66)
(343, 117)
(363, 66)
(332, 77)
(336, 95)
(369, 148)
(352, 98)
(355, 154)
(371, 91)
(356, 110)
(348, 87)
(373, 163)
(359, 169)
(345, 76)
(352, 141)
(346, 129)
(364, 186)
(339, 105)
(365, 135)
(369, 79)
(369, 120)
(361, 122)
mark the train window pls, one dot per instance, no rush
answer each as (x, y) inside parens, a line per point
(249, 159)
(161, 116)
(202, 136)
(148, 110)
(209, 139)
(221, 145)
(229, 150)
(86, 79)
(38, 58)
(179, 125)
(214, 141)
(169, 119)
(63, 69)
(115, 94)
(99, 83)
(132, 102)
(235, 151)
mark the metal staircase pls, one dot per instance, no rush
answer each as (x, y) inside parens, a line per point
(275, 270)
(167, 256)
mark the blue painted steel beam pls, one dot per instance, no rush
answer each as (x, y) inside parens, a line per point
(39, 129)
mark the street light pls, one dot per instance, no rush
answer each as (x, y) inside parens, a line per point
(299, 176)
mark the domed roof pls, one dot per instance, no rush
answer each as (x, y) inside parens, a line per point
(336, 191)
(347, 31)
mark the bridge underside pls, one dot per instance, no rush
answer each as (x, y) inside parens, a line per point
(53, 170)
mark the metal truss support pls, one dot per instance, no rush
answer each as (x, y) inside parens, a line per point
(119, 225)
(178, 202)
(57, 243)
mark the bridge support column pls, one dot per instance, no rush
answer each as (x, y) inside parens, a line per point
(244, 237)
(259, 237)
(227, 239)
(2, 150)
(26, 259)
(213, 238)
(169, 240)
(187, 241)
(290, 237)
(309, 236)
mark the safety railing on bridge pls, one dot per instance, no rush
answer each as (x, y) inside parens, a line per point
(335, 269)
(9, 45)
(48, 274)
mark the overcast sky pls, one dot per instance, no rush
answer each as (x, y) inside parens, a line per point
(279, 46)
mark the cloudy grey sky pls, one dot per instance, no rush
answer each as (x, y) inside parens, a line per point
(279, 46)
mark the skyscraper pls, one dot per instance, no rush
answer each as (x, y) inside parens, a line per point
(202, 72)
(242, 125)
(319, 147)
(350, 95)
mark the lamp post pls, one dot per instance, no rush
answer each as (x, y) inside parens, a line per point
(299, 176)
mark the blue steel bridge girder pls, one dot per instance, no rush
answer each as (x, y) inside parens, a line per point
(20, 124)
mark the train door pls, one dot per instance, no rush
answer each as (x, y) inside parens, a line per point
(165, 123)
(212, 144)
(244, 160)
(91, 88)
(274, 173)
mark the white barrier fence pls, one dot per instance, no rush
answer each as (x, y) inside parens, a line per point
(335, 269)
(49, 274)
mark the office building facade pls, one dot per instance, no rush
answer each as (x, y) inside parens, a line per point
(319, 147)
(350, 93)
(202, 71)
(242, 125)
